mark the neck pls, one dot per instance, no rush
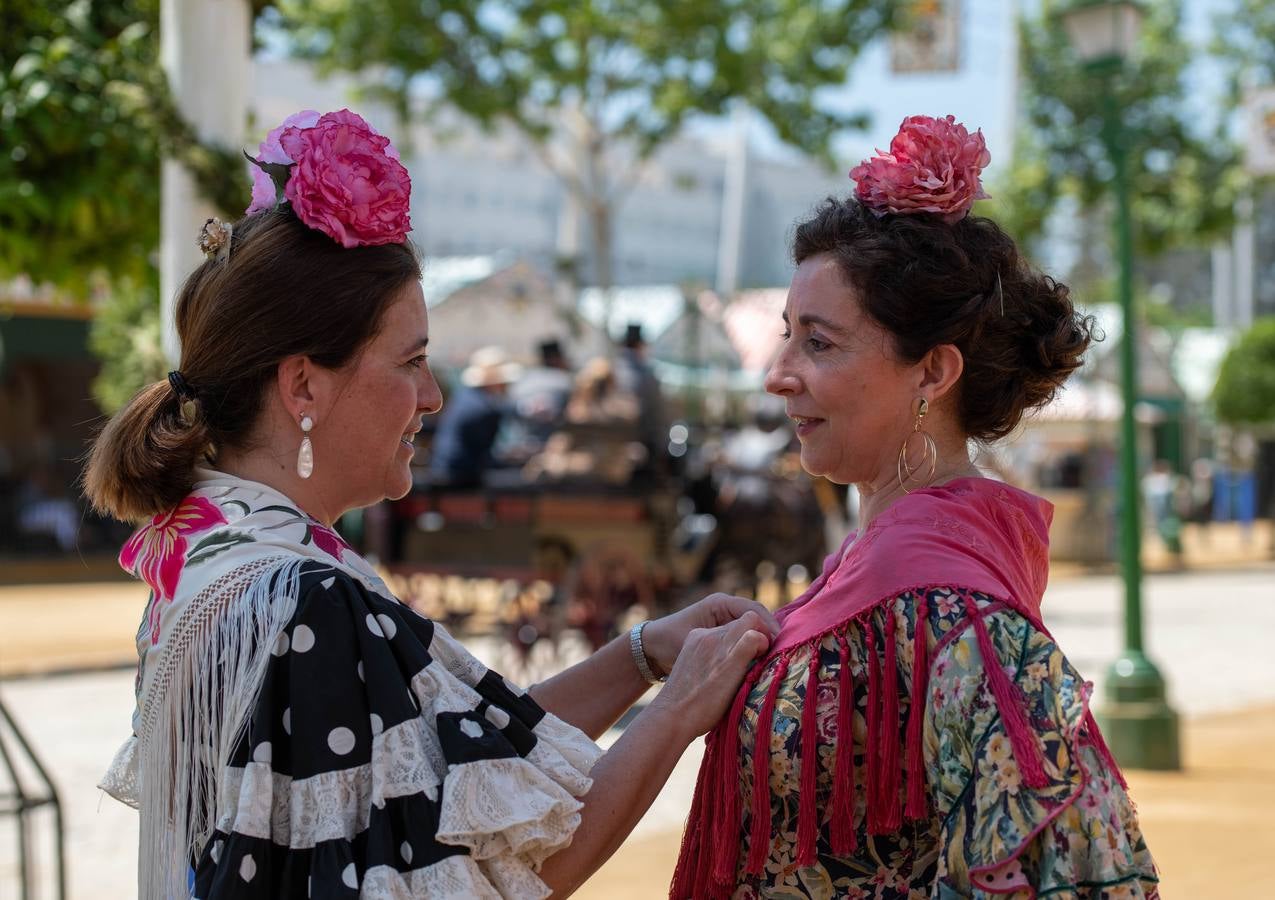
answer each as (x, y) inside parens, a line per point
(279, 473)
(876, 496)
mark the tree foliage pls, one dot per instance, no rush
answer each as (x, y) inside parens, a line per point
(599, 85)
(1184, 181)
(85, 120)
(1245, 390)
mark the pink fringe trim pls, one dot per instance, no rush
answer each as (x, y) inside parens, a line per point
(1011, 703)
(807, 808)
(760, 836)
(841, 826)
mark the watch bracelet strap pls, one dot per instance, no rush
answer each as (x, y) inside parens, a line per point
(639, 654)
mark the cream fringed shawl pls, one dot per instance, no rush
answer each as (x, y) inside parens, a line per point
(223, 571)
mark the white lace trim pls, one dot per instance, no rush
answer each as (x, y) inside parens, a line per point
(507, 806)
(454, 877)
(299, 813)
(526, 806)
(121, 778)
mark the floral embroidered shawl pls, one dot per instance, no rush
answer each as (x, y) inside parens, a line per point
(223, 572)
(972, 534)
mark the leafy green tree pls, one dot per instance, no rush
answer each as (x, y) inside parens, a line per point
(85, 119)
(1245, 42)
(1184, 181)
(1245, 389)
(597, 86)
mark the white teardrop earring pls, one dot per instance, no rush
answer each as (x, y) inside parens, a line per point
(305, 457)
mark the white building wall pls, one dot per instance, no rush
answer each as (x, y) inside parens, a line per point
(478, 194)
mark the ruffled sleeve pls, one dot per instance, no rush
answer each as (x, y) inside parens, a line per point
(1029, 801)
(382, 760)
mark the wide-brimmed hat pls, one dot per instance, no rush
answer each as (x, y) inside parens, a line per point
(489, 366)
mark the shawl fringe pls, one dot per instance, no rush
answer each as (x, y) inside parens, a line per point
(212, 674)
(709, 864)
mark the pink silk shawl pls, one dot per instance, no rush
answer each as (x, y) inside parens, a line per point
(971, 533)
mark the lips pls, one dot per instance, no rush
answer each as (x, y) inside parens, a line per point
(805, 424)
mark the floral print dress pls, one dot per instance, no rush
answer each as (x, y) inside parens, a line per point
(982, 831)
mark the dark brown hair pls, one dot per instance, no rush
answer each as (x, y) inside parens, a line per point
(284, 290)
(930, 283)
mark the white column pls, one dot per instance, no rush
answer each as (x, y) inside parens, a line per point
(204, 48)
(734, 204)
(1245, 244)
(1223, 272)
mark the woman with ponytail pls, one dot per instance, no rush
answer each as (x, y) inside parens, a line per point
(914, 731)
(298, 732)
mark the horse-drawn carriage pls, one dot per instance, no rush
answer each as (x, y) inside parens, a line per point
(582, 552)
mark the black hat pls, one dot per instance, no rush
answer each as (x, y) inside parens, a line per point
(633, 335)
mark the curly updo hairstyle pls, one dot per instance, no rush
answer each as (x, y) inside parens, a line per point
(930, 283)
(284, 290)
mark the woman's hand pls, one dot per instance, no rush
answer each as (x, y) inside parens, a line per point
(663, 639)
(707, 675)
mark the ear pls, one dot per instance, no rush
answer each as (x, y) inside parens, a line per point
(941, 369)
(298, 389)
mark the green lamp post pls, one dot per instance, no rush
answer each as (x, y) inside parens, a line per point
(1139, 724)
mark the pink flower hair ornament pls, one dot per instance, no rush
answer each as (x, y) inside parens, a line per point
(933, 167)
(339, 175)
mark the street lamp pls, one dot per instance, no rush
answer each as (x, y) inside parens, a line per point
(1140, 726)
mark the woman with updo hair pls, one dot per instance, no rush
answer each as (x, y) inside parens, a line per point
(914, 731)
(298, 732)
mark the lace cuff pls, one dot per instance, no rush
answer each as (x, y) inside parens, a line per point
(528, 808)
(121, 778)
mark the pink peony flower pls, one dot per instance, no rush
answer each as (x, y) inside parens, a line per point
(271, 151)
(347, 181)
(933, 167)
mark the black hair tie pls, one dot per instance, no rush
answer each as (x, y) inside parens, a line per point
(180, 386)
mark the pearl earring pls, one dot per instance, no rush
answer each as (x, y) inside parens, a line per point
(305, 457)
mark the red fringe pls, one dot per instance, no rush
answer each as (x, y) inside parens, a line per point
(807, 809)
(915, 808)
(726, 825)
(688, 866)
(890, 815)
(873, 748)
(841, 826)
(1011, 703)
(760, 836)
(1100, 744)
(707, 828)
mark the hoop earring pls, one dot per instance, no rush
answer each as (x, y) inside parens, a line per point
(929, 452)
(305, 456)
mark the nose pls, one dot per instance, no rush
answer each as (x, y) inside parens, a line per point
(779, 380)
(429, 397)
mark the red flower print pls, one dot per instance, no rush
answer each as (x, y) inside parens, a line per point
(329, 541)
(157, 552)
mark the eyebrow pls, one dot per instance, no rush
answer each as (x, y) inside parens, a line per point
(807, 321)
(420, 344)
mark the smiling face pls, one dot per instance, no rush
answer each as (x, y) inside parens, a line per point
(844, 386)
(381, 398)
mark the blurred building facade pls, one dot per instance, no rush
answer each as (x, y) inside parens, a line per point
(477, 193)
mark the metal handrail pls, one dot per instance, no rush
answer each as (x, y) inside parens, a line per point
(20, 803)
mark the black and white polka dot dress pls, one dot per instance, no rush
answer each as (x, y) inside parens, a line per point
(382, 760)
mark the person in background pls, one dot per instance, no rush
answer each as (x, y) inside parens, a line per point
(462, 452)
(540, 396)
(633, 374)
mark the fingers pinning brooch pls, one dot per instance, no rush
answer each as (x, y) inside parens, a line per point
(214, 239)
